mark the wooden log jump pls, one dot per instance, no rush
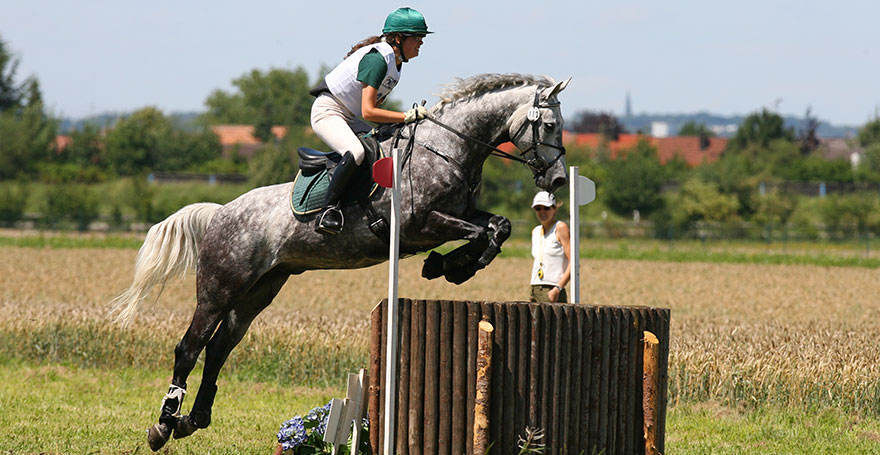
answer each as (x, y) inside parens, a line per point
(576, 372)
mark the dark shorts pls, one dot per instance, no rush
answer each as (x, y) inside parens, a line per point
(540, 294)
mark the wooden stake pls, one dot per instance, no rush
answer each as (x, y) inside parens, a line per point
(484, 376)
(650, 391)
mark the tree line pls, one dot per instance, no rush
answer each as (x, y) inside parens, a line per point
(725, 191)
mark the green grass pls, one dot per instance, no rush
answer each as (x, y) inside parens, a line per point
(73, 241)
(819, 254)
(265, 358)
(711, 429)
(58, 409)
(66, 410)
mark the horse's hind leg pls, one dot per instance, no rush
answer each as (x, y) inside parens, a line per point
(205, 319)
(228, 335)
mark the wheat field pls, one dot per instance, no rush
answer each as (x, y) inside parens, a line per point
(801, 336)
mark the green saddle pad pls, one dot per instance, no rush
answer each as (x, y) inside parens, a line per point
(309, 192)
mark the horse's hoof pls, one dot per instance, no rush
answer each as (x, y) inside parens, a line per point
(433, 267)
(185, 427)
(157, 436)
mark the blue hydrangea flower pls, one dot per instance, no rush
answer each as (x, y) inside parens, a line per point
(292, 433)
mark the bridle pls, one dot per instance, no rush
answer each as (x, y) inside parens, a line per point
(536, 163)
(533, 117)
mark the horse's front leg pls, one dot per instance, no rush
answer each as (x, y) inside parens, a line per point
(485, 232)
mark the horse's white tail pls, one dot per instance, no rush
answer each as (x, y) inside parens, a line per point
(170, 249)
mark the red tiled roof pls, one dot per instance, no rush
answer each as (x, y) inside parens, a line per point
(687, 147)
(243, 134)
(61, 142)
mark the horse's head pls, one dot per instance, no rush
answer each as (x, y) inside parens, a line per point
(536, 129)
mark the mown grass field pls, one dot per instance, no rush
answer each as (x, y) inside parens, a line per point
(770, 358)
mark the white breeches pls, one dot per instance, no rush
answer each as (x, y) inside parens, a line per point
(335, 125)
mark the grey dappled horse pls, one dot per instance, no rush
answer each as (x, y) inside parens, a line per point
(246, 250)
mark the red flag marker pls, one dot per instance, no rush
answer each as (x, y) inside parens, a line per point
(383, 172)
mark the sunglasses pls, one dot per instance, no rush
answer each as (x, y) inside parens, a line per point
(541, 208)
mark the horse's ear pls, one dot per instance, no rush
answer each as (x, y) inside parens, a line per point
(560, 86)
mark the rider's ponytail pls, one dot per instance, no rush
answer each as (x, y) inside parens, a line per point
(390, 38)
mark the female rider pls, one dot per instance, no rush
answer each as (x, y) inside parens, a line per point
(356, 88)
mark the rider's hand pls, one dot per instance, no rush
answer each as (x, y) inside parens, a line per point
(415, 114)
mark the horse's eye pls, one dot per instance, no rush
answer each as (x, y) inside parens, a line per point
(550, 125)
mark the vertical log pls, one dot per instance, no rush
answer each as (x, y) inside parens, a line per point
(651, 392)
(613, 378)
(587, 314)
(483, 382)
(548, 376)
(473, 319)
(432, 376)
(624, 390)
(563, 315)
(382, 367)
(596, 382)
(575, 412)
(403, 371)
(604, 385)
(375, 375)
(633, 375)
(522, 367)
(511, 405)
(459, 376)
(444, 408)
(663, 319)
(535, 366)
(499, 366)
(416, 377)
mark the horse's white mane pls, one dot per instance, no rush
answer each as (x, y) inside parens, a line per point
(482, 83)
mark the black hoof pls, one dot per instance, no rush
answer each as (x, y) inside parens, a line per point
(433, 267)
(461, 275)
(185, 427)
(157, 436)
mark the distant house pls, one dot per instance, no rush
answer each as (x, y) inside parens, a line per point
(688, 148)
(61, 143)
(241, 138)
(841, 148)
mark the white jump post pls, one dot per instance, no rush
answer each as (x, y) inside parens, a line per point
(393, 269)
(575, 241)
(581, 191)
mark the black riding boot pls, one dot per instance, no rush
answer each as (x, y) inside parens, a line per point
(330, 221)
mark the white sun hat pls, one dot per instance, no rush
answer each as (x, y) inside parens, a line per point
(545, 199)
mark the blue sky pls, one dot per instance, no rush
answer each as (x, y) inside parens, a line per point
(674, 56)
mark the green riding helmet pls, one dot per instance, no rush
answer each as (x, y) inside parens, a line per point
(405, 20)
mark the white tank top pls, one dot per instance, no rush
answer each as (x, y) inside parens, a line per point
(343, 83)
(550, 260)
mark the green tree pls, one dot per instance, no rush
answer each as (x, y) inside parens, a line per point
(85, 147)
(774, 208)
(869, 164)
(263, 99)
(271, 164)
(634, 181)
(136, 143)
(701, 201)
(870, 133)
(693, 128)
(146, 141)
(761, 128)
(26, 131)
(10, 92)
